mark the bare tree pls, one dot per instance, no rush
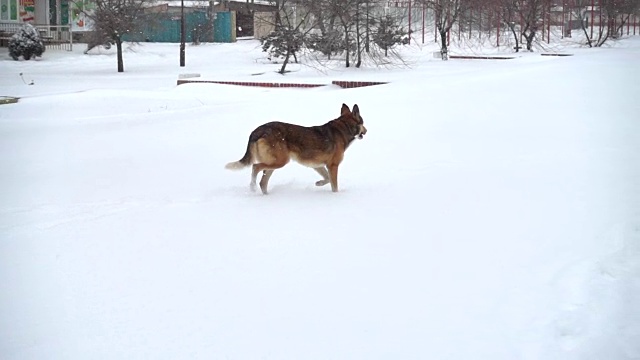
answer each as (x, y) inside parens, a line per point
(531, 13)
(581, 12)
(446, 13)
(523, 15)
(345, 12)
(331, 27)
(616, 13)
(510, 17)
(291, 31)
(364, 20)
(115, 18)
(612, 16)
(360, 29)
(353, 19)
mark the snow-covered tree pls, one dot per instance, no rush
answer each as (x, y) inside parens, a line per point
(26, 42)
(283, 43)
(329, 43)
(289, 35)
(389, 34)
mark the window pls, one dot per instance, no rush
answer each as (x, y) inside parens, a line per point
(9, 10)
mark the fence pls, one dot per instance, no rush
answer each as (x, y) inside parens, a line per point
(53, 36)
(419, 20)
(167, 28)
(56, 36)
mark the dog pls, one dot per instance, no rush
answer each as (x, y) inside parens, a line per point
(272, 145)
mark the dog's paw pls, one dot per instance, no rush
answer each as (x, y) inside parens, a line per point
(322, 182)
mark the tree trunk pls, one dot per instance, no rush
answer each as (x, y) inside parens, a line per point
(120, 61)
(368, 30)
(346, 44)
(515, 36)
(584, 29)
(358, 42)
(619, 29)
(443, 44)
(319, 15)
(600, 32)
(286, 61)
(278, 19)
(529, 39)
(601, 39)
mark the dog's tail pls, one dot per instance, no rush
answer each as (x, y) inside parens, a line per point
(244, 162)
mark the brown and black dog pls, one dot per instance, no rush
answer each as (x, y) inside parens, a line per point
(272, 145)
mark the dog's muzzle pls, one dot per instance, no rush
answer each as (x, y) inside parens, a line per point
(362, 132)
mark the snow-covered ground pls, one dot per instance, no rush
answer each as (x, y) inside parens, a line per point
(492, 211)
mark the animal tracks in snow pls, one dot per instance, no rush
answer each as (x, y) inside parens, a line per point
(47, 217)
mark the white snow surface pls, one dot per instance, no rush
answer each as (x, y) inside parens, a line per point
(492, 211)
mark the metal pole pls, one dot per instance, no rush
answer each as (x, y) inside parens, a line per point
(70, 30)
(498, 31)
(600, 25)
(549, 24)
(423, 23)
(592, 6)
(489, 24)
(410, 21)
(480, 26)
(563, 20)
(182, 34)
(571, 20)
(469, 21)
(59, 13)
(448, 31)
(543, 19)
(521, 27)
(628, 27)
(435, 27)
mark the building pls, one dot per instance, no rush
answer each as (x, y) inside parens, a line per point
(58, 20)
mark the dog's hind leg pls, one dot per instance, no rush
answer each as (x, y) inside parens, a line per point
(254, 175)
(264, 180)
(325, 176)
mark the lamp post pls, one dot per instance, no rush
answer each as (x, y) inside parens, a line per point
(182, 35)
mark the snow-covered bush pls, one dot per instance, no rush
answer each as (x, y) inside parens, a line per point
(26, 42)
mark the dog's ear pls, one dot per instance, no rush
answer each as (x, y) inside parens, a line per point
(356, 110)
(345, 110)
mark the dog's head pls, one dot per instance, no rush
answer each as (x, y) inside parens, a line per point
(353, 120)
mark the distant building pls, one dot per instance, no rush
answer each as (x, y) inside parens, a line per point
(60, 18)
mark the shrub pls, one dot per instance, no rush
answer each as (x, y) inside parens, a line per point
(26, 43)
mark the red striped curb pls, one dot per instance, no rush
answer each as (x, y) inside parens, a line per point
(343, 84)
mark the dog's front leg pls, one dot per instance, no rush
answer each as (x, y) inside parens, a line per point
(333, 174)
